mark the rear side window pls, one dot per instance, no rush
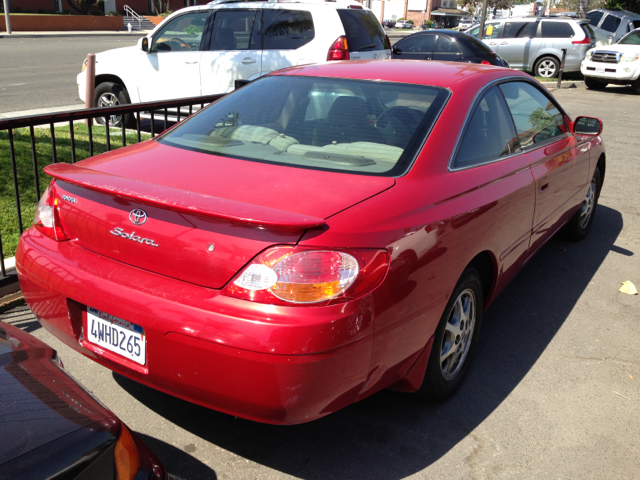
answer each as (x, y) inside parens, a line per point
(287, 29)
(418, 44)
(519, 30)
(634, 24)
(556, 30)
(363, 30)
(489, 134)
(536, 117)
(594, 18)
(446, 45)
(232, 30)
(588, 31)
(610, 23)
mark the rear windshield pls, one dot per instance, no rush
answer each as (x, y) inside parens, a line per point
(363, 30)
(476, 45)
(588, 31)
(357, 126)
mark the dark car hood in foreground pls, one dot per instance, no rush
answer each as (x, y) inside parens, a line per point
(39, 402)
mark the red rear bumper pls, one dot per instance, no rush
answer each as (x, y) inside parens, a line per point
(266, 363)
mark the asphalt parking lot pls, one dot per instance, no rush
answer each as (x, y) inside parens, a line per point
(553, 391)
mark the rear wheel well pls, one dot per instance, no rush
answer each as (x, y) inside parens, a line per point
(483, 263)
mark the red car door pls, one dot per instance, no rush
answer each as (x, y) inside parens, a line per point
(559, 165)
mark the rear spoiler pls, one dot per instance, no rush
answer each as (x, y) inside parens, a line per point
(182, 200)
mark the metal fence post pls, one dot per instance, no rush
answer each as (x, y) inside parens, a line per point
(564, 55)
(7, 20)
(90, 91)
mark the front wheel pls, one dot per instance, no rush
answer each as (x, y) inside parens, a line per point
(595, 83)
(109, 94)
(455, 339)
(547, 67)
(580, 224)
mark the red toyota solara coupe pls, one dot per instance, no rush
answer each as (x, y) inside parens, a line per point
(320, 234)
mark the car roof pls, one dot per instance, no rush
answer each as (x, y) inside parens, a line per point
(451, 75)
(617, 12)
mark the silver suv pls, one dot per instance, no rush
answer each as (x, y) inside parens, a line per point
(611, 25)
(535, 44)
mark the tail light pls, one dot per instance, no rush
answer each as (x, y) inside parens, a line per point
(584, 41)
(303, 275)
(484, 62)
(388, 44)
(339, 50)
(47, 218)
(126, 456)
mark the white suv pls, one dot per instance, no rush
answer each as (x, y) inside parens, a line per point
(213, 48)
(618, 64)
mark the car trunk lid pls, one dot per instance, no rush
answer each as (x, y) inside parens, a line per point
(201, 222)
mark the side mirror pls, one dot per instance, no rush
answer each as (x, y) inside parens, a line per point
(396, 50)
(143, 44)
(587, 126)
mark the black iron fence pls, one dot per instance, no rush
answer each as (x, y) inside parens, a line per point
(163, 112)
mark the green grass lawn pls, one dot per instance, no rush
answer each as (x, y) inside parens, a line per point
(9, 231)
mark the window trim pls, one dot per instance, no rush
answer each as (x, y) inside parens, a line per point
(523, 150)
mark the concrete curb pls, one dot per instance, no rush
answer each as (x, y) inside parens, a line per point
(137, 33)
(565, 84)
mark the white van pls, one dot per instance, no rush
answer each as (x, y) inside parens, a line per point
(211, 49)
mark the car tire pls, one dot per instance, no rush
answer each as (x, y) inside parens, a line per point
(455, 339)
(111, 94)
(578, 227)
(595, 83)
(547, 67)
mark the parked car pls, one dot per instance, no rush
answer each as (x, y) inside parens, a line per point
(321, 234)
(388, 23)
(535, 44)
(205, 50)
(448, 45)
(403, 24)
(611, 25)
(618, 64)
(52, 427)
(466, 24)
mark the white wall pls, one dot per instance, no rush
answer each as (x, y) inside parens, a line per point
(393, 9)
(376, 6)
(418, 5)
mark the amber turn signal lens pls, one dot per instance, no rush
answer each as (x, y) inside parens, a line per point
(126, 456)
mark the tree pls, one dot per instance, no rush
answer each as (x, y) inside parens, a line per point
(161, 6)
(631, 5)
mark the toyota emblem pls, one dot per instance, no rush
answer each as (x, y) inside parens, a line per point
(137, 216)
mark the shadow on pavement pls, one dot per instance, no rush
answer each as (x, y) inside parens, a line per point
(392, 435)
(176, 460)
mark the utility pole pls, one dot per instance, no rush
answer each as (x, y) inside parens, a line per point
(548, 8)
(7, 20)
(482, 19)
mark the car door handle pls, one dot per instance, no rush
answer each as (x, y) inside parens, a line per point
(191, 63)
(248, 61)
(504, 43)
(544, 184)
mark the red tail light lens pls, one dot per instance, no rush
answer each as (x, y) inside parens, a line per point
(484, 62)
(339, 50)
(303, 275)
(584, 41)
(47, 218)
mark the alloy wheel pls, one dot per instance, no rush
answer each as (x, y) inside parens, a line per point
(109, 99)
(547, 68)
(458, 334)
(587, 205)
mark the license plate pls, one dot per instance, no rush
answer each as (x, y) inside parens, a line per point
(599, 69)
(119, 336)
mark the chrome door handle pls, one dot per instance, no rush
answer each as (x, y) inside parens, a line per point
(248, 61)
(191, 63)
(504, 43)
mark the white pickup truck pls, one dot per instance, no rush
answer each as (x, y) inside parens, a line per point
(618, 64)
